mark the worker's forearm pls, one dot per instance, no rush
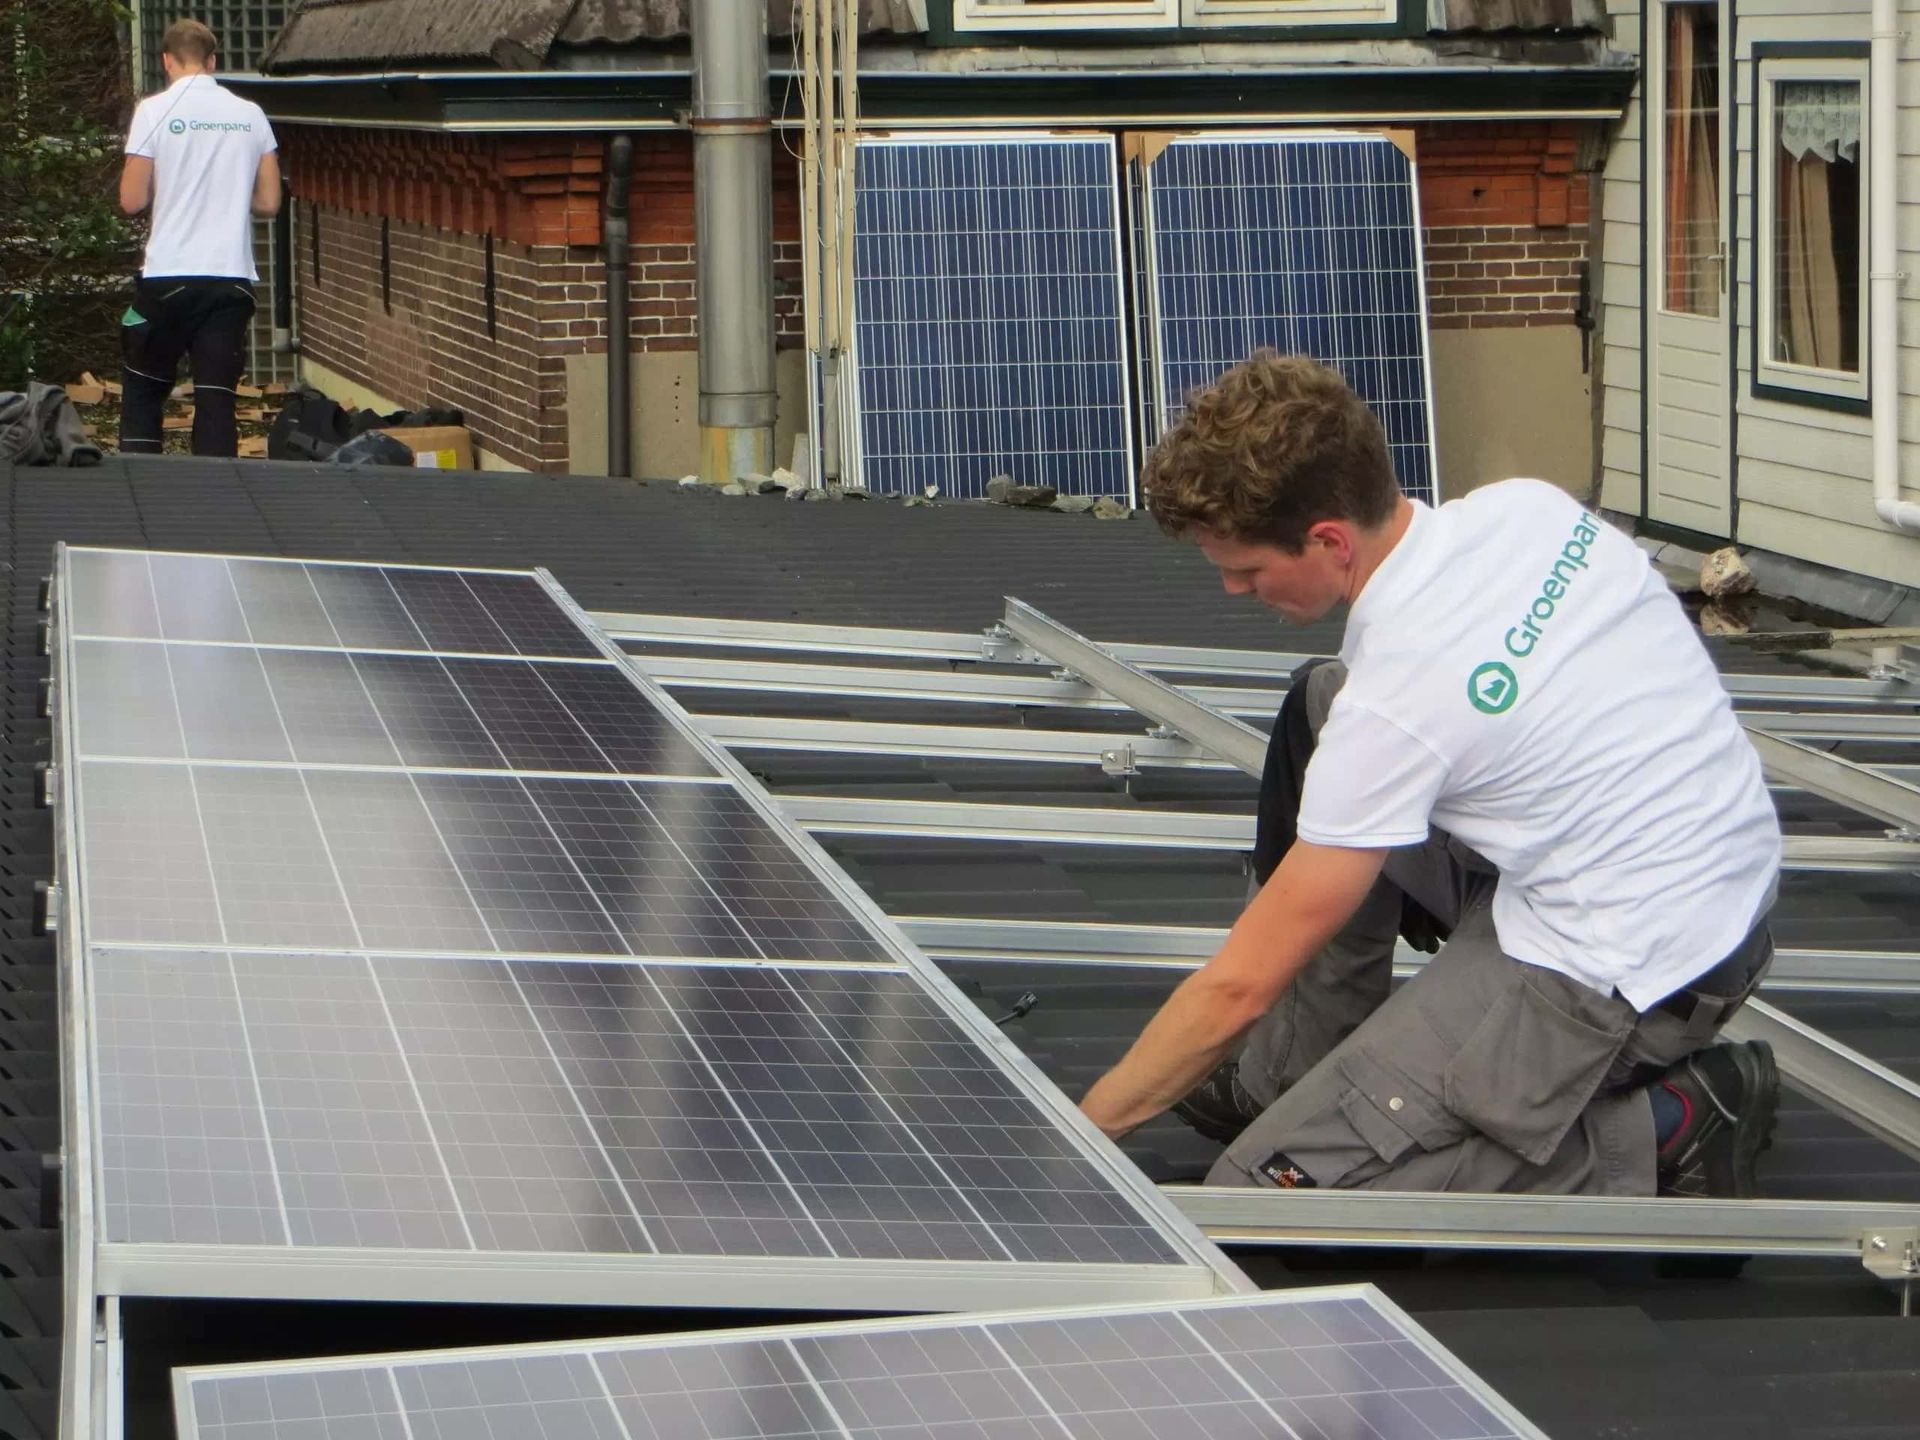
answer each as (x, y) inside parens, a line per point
(1201, 1023)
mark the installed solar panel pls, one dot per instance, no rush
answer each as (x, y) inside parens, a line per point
(1309, 244)
(155, 595)
(1312, 1365)
(484, 1104)
(989, 333)
(405, 960)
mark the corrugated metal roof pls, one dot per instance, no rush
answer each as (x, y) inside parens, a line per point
(513, 34)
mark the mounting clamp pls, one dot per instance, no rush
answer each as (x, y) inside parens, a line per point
(48, 775)
(1894, 1256)
(1119, 761)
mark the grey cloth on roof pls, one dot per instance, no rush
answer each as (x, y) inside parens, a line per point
(41, 427)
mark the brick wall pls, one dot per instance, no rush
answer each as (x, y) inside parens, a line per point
(541, 201)
(1504, 212)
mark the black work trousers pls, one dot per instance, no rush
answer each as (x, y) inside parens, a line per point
(202, 318)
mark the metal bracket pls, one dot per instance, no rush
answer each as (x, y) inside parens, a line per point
(1894, 1256)
(1900, 662)
(1002, 646)
(49, 788)
(1119, 761)
(47, 699)
(48, 894)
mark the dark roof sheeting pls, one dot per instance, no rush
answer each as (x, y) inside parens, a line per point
(512, 34)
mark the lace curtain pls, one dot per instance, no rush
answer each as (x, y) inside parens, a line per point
(1819, 118)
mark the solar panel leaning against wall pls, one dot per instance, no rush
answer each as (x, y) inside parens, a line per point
(1307, 243)
(423, 950)
(993, 299)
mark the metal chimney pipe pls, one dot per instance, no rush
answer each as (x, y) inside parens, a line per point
(733, 237)
(617, 233)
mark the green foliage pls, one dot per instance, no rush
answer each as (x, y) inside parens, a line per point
(66, 252)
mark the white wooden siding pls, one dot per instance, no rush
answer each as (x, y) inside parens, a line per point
(1806, 475)
(1620, 289)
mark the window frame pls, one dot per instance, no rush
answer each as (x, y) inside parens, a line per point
(986, 17)
(1287, 14)
(1844, 63)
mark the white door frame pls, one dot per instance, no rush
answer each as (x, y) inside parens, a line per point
(1687, 408)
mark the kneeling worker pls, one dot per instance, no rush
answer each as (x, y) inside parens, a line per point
(1522, 741)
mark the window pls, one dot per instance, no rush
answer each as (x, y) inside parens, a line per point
(1810, 163)
(978, 15)
(1690, 199)
(1065, 14)
(1209, 13)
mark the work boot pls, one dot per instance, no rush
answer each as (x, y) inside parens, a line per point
(1219, 1107)
(1730, 1093)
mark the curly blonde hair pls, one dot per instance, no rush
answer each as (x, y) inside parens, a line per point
(1270, 449)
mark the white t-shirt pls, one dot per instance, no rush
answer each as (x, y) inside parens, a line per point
(206, 144)
(1522, 679)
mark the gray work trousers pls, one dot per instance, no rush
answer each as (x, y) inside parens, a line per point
(1482, 1073)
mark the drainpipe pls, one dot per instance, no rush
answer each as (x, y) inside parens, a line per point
(284, 340)
(617, 233)
(1883, 266)
(733, 237)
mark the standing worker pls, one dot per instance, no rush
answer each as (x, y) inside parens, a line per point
(206, 161)
(1523, 746)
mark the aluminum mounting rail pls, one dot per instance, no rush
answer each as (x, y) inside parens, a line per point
(998, 646)
(1250, 1216)
(1871, 792)
(949, 685)
(1239, 744)
(1190, 830)
(1880, 1102)
(1179, 948)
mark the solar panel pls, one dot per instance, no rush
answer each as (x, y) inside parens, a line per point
(1309, 244)
(622, 1109)
(989, 330)
(473, 972)
(1333, 1364)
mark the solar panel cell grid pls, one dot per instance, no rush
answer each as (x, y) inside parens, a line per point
(572, 1107)
(1326, 1366)
(343, 908)
(988, 326)
(1310, 245)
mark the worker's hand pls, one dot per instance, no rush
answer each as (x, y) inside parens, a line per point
(1310, 895)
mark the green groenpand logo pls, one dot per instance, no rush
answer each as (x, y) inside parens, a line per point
(177, 127)
(1493, 688)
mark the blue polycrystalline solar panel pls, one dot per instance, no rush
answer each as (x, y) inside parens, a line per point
(1338, 1364)
(989, 335)
(416, 927)
(1310, 245)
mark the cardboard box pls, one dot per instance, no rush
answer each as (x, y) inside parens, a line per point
(437, 447)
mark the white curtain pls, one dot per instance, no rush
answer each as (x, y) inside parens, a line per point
(1819, 118)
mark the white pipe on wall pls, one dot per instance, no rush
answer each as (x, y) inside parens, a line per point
(1883, 265)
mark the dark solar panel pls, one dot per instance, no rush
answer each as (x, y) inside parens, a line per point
(571, 1106)
(376, 912)
(1308, 244)
(1312, 1365)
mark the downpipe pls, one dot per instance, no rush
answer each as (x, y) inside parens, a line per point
(1883, 267)
(617, 235)
(285, 342)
